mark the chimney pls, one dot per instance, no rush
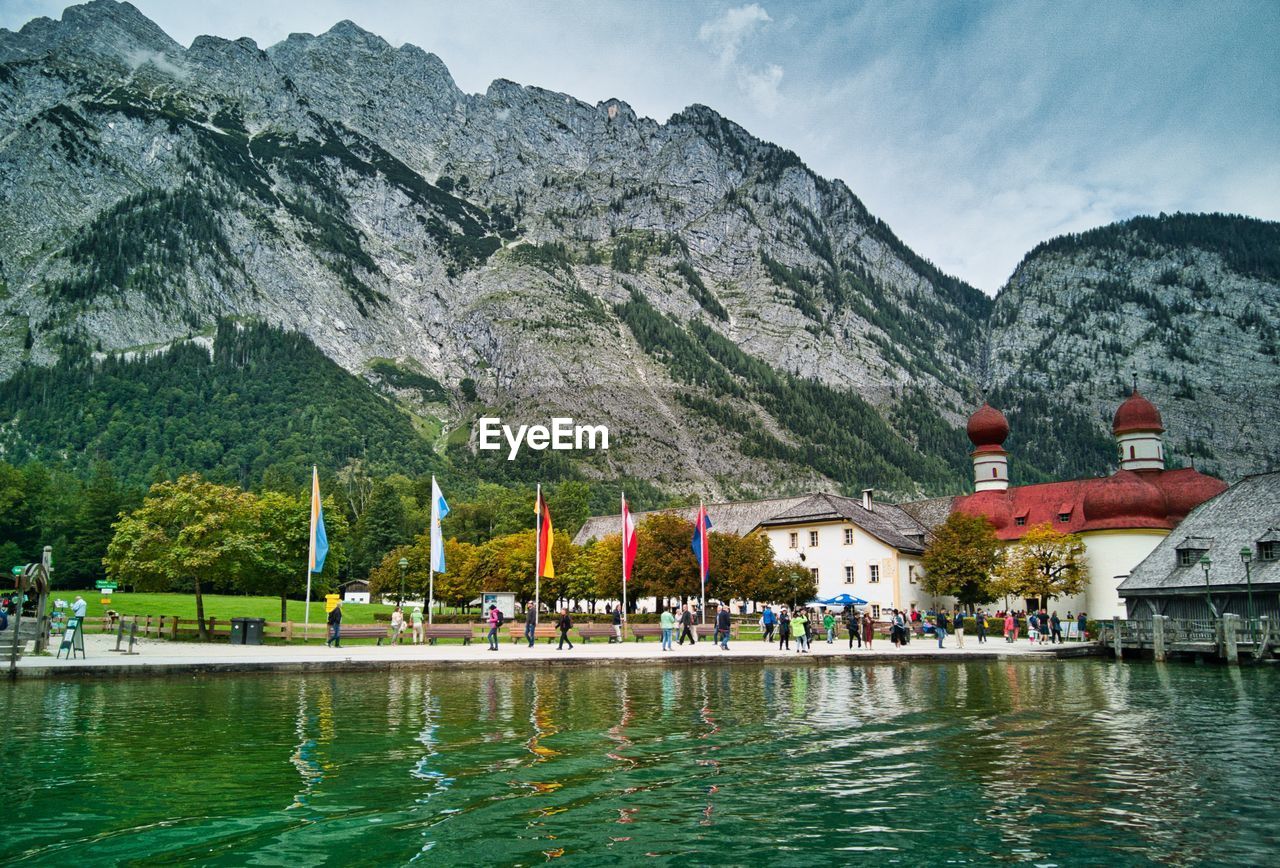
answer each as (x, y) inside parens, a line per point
(866, 499)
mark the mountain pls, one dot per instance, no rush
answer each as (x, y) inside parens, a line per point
(740, 323)
(1186, 304)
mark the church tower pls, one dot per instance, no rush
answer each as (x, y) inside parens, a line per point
(1137, 427)
(987, 430)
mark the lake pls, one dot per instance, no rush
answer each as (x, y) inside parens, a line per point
(1073, 762)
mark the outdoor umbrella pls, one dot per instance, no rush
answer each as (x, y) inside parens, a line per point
(844, 600)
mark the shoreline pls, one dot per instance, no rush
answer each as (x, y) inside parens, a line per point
(159, 659)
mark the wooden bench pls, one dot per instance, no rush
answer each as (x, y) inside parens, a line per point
(640, 631)
(540, 631)
(432, 632)
(595, 631)
(361, 631)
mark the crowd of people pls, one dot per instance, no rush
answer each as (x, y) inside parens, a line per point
(802, 625)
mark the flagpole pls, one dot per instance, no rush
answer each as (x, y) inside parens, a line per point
(623, 549)
(702, 556)
(431, 591)
(311, 553)
(537, 539)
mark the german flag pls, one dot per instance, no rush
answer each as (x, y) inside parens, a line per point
(545, 566)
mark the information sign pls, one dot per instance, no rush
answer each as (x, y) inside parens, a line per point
(72, 639)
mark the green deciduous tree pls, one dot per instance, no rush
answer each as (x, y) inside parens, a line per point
(186, 534)
(739, 566)
(961, 558)
(664, 563)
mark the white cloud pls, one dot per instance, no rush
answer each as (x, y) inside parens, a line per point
(762, 86)
(726, 34)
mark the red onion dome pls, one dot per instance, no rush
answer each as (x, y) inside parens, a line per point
(987, 427)
(1185, 489)
(1136, 414)
(1123, 495)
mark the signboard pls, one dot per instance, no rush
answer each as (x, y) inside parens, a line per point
(72, 639)
(505, 601)
(102, 585)
(17, 571)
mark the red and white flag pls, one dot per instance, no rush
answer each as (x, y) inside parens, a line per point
(628, 542)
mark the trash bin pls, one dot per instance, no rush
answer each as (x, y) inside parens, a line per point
(237, 631)
(253, 628)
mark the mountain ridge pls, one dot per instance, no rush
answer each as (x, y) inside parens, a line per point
(346, 189)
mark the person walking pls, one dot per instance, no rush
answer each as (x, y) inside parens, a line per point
(563, 625)
(686, 626)
(852, 624)
(784, 629)
(722, 626)
(958, 625)
(335, 626)
(980, 620)
(940, 626)
(868, 629)
(1010, 628)
(768, 620)
(1081, 622)
(668, 622)
(1055, 629)
(617, 625)
(495, 621)
(530, 622)
(829, 623)
(397, 625)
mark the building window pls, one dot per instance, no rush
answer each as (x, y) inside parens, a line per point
(1064, 516)
(994, 473)
(875, 611)
(873, 573)
(813, 571)
(1020, 521)
(911, 573)
(1189, 557)
(1269, 550)
(813, 539)
(795, 540)
(848, 575)
(1132, 452)
(848, 536)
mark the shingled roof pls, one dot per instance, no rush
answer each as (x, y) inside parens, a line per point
(738, 518)
(929, 513)
(1242, 516)
(887, 522)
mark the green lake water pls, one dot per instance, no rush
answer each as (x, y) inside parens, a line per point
(1075, 762)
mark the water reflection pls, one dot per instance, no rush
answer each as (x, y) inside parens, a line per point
(1065, 762)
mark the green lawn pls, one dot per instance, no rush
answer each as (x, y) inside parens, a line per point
(220, 606)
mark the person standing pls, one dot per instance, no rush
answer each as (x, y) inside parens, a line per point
(829, 623)
(800, 624)
(564, 624)
(1055, 628)
(940, 626)
(668, 622)
(958, 624)
(530, 622)
(335, 626)
(852, 624)
(686, 626)
(897, 629)
(868, 629)
(980, 620)
(1081, 621)
(784, 629)
(79, 607)
(397, 625)
(1010, 627)
(617, 625)
(722, 626)
(417, 625)
(495, 621)
(768, 620)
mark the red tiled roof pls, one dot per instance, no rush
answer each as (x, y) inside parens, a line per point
(1157, 499)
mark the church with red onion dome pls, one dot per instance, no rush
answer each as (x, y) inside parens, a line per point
(1120, 517)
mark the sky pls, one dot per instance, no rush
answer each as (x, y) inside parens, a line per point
(976, 130)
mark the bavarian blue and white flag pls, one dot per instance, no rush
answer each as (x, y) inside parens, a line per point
(439, 509)
(319, 545)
